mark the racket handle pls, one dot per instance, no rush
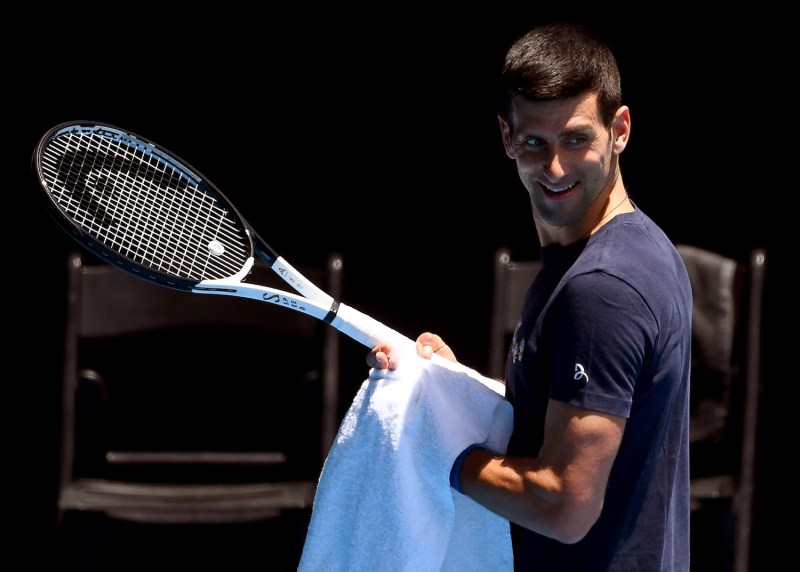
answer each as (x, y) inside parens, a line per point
(370, 332)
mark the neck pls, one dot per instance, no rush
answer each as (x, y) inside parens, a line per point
(618, 206)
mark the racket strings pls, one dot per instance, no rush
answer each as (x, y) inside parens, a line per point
(137, 203)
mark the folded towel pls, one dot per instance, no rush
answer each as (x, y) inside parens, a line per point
(384, 502)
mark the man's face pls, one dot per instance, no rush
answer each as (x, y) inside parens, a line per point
(566, 158)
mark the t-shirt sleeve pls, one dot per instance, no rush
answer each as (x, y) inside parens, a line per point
(601, 332)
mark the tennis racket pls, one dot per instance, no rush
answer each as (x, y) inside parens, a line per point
(146, 211)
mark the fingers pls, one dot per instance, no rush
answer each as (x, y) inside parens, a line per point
(426, 342)
(429, 344)
(380, 358)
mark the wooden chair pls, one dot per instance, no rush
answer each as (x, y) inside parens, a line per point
(726, 382)
(188, 409)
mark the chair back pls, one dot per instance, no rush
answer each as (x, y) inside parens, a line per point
(728, 300)
(168, 387)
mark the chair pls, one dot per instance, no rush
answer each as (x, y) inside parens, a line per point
(511, 279)
(726, 384)
(726, 381)
(188, 409)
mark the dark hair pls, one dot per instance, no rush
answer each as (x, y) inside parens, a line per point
(558, 61)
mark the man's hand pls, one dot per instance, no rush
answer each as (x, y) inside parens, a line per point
(429, 344)
(381, 356)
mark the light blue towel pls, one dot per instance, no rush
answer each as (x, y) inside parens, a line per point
(384, 501)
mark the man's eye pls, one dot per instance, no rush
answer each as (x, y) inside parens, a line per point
(577, 140)
(534, 142)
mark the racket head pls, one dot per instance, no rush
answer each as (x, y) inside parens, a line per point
(139, 206)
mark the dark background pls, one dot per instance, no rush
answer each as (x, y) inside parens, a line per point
(373, 134)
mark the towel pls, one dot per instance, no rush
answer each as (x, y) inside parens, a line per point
(383, 500)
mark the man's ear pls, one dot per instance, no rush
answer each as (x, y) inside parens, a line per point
(505, 133)
(621, 128)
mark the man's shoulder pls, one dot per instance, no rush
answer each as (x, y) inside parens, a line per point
(633, 248)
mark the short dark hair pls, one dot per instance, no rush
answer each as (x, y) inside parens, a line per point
(558, 61)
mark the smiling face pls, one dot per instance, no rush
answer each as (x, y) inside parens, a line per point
(567, 159)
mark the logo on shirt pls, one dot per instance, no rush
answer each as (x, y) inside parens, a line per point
(580, 374)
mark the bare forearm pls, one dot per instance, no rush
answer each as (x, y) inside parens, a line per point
(527, 493)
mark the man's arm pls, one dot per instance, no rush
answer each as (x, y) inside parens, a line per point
(559, 493)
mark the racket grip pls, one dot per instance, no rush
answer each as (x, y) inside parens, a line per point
(370, 332)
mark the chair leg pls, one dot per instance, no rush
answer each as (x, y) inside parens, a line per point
(84, 542)
(712, 536)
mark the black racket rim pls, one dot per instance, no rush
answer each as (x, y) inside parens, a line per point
(239, 245)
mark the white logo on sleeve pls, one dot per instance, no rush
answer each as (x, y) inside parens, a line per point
(580, 374)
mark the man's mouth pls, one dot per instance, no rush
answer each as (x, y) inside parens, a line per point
(557, 190)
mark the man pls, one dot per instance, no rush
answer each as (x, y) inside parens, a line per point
(596, 476)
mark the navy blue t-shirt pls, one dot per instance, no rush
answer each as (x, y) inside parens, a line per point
(606, 326)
